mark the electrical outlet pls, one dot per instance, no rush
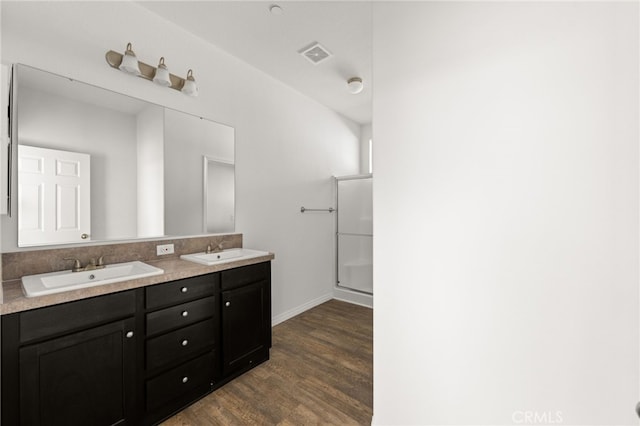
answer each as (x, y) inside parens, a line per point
(164, 249)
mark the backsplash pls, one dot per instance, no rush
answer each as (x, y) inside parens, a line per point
(17, 264)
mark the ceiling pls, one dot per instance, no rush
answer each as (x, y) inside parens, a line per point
(271, 43)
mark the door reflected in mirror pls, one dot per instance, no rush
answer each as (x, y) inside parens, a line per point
(219, 214)
(54, 195)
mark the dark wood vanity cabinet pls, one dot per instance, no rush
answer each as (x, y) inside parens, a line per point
(134, 357)
(246, 317)
(71, 364)
(86, 376)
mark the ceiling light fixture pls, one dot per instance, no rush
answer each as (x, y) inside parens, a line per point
(128, 62)
(275, 9)
(355, 86)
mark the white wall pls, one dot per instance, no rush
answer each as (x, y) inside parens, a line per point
(287, 146)
(288, 164)
(150, 171)
(510, 181)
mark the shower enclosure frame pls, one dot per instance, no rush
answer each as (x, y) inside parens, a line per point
(338, 234)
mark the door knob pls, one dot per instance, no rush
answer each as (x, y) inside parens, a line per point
(129, 334)
(227, 304)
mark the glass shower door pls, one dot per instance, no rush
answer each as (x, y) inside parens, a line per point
(355, 233)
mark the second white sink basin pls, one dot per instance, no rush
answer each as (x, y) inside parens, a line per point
(56, 282)
(229, 255)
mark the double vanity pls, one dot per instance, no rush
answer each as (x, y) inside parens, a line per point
(138, 349)
(100, 333)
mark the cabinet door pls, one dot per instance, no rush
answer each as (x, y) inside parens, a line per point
(245, 327)
(86, 378)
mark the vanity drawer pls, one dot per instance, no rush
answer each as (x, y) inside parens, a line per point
(58, 319)
(181, 291)
(179, 381)
(180, 315)
(239, 277)
(180, 343)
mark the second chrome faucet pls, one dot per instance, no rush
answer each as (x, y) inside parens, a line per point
(214, 250)
(93, 264)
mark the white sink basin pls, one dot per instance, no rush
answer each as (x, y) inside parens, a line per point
(56, 282)
(229, 255)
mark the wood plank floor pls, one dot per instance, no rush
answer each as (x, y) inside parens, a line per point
(320, 372)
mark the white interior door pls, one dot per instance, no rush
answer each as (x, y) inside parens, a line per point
(53, 196)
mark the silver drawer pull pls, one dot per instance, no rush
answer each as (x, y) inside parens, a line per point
(184, 290)
(227, 304)
(185, 379)
(129, 334)
(185, 314)
(185, 342)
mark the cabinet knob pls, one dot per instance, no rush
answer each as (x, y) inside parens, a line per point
(184, 290)
(185, 379)
(227, 304)
(185, 342)
(185, 314)
(129, 334)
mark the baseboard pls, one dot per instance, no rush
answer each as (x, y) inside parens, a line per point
(354, 297)
(300, 309)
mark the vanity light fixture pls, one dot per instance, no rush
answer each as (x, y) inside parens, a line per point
(355, 85)
(128, 62)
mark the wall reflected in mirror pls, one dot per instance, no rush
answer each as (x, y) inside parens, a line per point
(147, 178)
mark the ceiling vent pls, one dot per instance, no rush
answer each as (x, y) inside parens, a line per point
(315, 53)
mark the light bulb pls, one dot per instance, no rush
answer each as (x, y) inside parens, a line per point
(162, 74)
(190, 87)
(130, 62)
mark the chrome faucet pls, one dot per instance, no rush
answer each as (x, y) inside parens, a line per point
(214, 250)
(92, 265)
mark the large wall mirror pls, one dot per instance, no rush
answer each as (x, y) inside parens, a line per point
(93, 165)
